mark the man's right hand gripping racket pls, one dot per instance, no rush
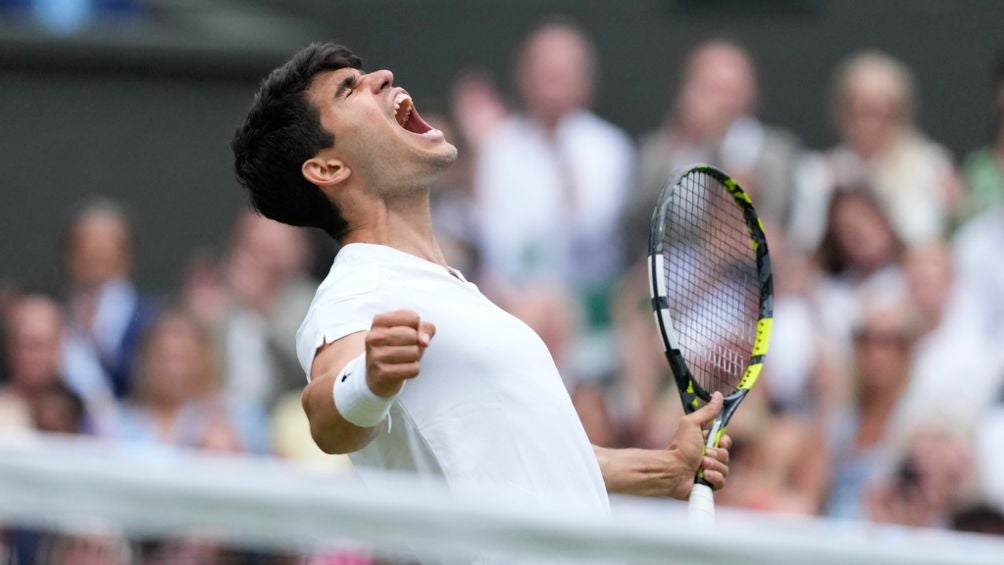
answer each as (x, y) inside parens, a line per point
(712, 292)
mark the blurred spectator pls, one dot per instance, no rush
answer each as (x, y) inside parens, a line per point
(550, 184)
(929, 274)
(60, 410)
(35, 398)
(912, 177)
(949, 343)
(646, 404)
(791, 409)
(977, 311)
(883, 338)
(476, 106)
(768, 469)
(980, 278)
(552, 178)
(927, 484)
(52, 548)
(177, 398)
(476, 111)
(33, 329)
(713, 120)
(984, 168)
(178, 402)
(268, 293)
(988, 453)
(800, 367)
(859, 253)
(204, 291)
(106, 314)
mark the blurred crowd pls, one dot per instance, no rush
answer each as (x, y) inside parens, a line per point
(882, 398)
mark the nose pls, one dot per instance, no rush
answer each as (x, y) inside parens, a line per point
(380, 80)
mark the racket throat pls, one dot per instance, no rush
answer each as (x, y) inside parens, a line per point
(715, 434)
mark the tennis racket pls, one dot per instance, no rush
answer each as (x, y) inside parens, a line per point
(712, 292)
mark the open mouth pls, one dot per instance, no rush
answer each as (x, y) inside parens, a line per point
(408, 118)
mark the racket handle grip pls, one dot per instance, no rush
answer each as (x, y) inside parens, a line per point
(701, 505)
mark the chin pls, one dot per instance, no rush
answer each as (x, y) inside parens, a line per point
(447, 153)
(439, 162)
(418, 172)
(438, 157)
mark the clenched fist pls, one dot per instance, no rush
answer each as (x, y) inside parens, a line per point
(394, 348)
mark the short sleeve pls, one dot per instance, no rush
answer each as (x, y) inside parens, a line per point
(343, 305)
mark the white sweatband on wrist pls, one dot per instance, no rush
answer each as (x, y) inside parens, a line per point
(354, 400)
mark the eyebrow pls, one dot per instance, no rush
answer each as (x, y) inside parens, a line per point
(346, 84)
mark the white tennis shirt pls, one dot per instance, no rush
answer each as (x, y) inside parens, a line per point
(488, 405)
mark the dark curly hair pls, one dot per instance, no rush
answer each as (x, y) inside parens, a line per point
(281, 131)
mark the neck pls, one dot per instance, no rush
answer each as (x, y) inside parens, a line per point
(403, 222)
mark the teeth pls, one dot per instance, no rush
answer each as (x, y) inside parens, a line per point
(399, 100)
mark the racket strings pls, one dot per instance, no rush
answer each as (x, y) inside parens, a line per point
(711, 281)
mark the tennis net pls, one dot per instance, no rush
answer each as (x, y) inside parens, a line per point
(114, 503)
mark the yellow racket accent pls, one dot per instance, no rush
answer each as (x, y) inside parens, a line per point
(750, 376)
(737, 192)
(718, 436)
(763, 328)
(718, 440)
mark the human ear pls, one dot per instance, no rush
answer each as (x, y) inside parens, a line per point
(325, 172)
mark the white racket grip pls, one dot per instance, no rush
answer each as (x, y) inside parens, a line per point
(701, 505)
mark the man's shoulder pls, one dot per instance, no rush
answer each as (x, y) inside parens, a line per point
(350, 278)
(345, 302)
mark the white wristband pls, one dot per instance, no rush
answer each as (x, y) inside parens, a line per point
(353, 398)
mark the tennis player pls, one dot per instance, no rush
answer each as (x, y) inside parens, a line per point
(409, 366)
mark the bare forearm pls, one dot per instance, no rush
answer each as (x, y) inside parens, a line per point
(644, 472)
(331, 432)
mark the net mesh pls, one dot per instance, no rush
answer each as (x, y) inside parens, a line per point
(711, 281)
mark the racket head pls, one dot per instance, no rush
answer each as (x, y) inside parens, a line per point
(711, 285)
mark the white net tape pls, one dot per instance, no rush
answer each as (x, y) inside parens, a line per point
(71, 484)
